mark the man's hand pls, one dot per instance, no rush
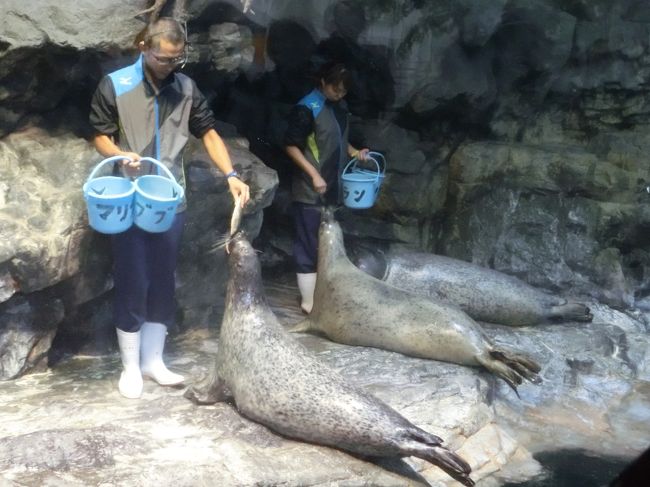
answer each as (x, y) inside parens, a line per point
(130, 167)
(239, 189)
(320, 186)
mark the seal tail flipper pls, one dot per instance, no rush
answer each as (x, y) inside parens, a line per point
(500, 369)
(427, 446)
(511, 367)
(524, 366)
(570, 311)
(422, 436)
(209, 391)
(448, 461)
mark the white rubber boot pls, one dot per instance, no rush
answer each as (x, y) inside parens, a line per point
(306, 286)
(151, 364)
(130, 384)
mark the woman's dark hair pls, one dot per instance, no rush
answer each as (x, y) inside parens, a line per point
(333, 73)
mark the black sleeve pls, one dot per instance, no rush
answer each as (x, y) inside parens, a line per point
(201, 117)
(103, 109)
(301, 124)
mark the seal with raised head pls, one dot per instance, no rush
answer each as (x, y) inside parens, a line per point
(276, 381)
(484, 294)
(354, 308)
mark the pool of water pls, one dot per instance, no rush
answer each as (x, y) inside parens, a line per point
(575, 468)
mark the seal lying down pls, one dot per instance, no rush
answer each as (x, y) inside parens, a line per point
(484, 294)
(276, 381)
(354, 308)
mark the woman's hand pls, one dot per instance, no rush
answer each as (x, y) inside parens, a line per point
(239, 188)
(362, 154)
(320, 186)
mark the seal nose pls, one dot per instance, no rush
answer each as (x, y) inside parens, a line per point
(327, 215)
(240, 245)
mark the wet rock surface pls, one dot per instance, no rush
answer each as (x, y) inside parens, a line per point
(595, 385)
(70, 424)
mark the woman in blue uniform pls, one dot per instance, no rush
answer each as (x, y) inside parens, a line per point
(317, 142)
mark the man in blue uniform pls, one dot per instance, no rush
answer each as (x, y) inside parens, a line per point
(148, 109)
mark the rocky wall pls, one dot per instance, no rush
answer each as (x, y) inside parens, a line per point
(516, 135)
(515, 132)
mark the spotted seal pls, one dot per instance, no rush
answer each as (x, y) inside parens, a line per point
(354, 308)
(276, 381)
(484, 294)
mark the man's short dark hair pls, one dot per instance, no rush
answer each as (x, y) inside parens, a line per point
(165, 28)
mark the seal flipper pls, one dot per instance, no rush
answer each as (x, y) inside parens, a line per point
(427, 446)
(209, 391)
(570, 311)
(500, 370)
(447, 461)
(511, 367)
(523, 365)
(451, 463)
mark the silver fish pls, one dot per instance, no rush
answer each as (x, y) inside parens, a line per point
(235, 221)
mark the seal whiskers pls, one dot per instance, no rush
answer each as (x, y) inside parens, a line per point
(276, 381)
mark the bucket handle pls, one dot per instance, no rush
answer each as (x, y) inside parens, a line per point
(162, 166)
(376, 156)
(104, 162)
(354, 160)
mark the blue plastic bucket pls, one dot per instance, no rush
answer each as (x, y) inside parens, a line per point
(109, 200)
(360, 186)
(377, 158)
(156, 199)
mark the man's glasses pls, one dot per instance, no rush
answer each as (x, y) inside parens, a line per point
(170, 61)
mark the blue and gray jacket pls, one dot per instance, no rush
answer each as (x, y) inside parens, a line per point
(320, 129)
(150, 123)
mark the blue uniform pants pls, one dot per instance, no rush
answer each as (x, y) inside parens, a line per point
(305, 245)
(144, 266)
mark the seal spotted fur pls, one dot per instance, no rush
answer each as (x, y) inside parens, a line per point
(484, 294)
(277, 382)
(354, 308)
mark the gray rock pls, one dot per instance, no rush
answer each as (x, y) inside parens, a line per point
(47, 248)
(33, 24)
(552, 222)
(593, 387)
(28, 328)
